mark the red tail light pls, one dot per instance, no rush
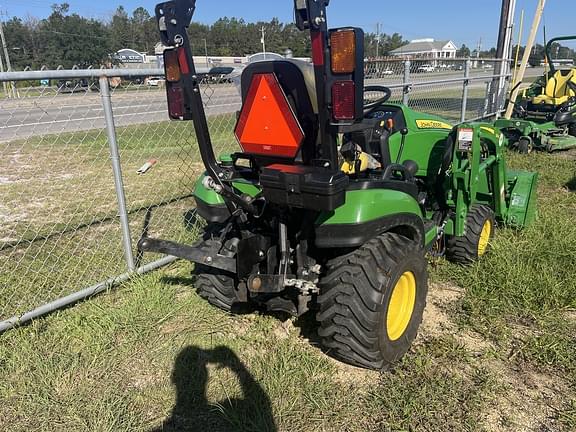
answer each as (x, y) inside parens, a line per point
(175, 102)
(344, 100)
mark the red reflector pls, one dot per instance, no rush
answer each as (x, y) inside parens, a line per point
(267, 125)
(183, 62)
(175, 102)
(317, 48)
(343, 100)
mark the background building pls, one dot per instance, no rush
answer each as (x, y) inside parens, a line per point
(427, 48)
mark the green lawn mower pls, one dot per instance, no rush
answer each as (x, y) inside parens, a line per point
(544, 118)
(337, 195)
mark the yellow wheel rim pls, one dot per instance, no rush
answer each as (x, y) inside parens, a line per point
(484, 237)
(401, 306)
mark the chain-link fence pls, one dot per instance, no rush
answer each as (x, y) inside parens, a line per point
(72, 202)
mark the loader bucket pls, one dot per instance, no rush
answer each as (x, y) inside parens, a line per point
(522, 189)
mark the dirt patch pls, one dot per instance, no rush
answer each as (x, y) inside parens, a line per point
(529, 400)
(571, 316)
(436, 322)
(526, 399)
(568, 154)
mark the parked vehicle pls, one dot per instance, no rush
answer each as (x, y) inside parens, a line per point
(156, 81)
(220, 74)
(426, 68)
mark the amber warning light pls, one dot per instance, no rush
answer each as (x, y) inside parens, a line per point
(267, 126)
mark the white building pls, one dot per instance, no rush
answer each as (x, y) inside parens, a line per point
(427, 48)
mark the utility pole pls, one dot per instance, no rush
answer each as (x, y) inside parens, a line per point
(529, 45)
(4, 84)
(7, 56)
(263, 41)
(206, 53)
(377, 39)
(502, 52)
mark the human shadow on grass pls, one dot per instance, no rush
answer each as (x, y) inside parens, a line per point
(193, 411)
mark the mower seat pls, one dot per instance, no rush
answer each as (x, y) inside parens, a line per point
(557, 90)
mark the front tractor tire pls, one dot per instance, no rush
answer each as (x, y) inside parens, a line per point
(215, 286)
(372, 300)
(475, 242)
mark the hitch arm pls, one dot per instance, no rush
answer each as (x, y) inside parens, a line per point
(200, 255)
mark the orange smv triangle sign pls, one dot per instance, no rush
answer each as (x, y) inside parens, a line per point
(267, 126)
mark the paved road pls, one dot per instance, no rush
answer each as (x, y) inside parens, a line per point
(35, 115)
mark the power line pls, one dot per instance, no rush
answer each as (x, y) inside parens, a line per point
(73, 34)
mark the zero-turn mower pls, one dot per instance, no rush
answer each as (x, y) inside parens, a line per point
(544, 118)
(334, 201)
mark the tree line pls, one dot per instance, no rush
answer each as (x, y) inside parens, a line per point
(68, 39)
(537, 55)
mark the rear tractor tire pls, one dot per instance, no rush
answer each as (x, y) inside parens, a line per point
(372, 300)
(475, 242)
(215, 286)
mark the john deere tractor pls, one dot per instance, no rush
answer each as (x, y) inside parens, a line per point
(337, 195)
(544, 118)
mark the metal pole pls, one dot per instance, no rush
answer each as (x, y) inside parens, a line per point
(377, 40)
(501, 49)
(465, 91)
(4, 84)
(7, 57)
(263, 41)
(206, 53)
(81, 295)
(118, 180)
(527, 50)
(406, 81)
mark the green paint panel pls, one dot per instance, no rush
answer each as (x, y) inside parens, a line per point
(368, 205)
(523, 196)
(425, 142)
(207, 195)
(212, 198)
(431, 236)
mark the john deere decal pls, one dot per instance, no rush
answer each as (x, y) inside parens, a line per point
(432, 124)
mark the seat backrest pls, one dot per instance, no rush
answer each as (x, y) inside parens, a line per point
(557, 85)
(299, 92)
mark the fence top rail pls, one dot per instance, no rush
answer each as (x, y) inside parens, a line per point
(127, 73)
(78, 74)
(447, 81)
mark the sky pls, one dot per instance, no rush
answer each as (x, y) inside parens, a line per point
(462, 21)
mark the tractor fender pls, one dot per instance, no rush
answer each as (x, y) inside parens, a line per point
(354, 235)
(368, 213)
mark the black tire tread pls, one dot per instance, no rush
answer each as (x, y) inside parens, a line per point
(351, 297)
(215, 286)
(464, 249)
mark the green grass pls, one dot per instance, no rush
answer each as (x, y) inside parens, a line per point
(496, 351)
(153, 355)
(58, 200)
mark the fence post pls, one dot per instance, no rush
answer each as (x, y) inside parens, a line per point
(465, 91)
(118, 181)
(406, 81)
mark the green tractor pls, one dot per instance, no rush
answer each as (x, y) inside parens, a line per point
(337, 195)
(544, 118)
